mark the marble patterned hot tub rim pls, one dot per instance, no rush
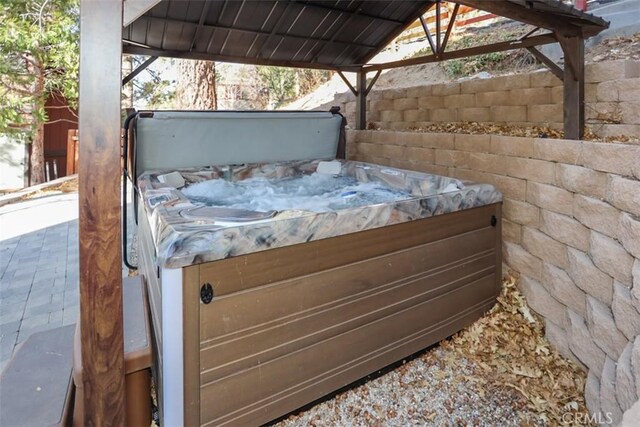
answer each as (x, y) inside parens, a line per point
(181, 242)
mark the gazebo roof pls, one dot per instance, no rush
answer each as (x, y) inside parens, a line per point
(338, 34)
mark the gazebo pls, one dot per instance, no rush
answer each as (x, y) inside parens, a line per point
(341, 35)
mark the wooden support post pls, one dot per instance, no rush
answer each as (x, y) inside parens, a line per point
(573, 109)
(438, 28)
(361, 100)
(99, 202)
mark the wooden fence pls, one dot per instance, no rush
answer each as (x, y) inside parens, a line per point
(72, 151)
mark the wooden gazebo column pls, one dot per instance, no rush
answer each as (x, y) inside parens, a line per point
(573, 80)
(361, 100)
(99, 217)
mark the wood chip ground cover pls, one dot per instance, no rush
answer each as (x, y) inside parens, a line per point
(500, 371)
(69, 186)
(477, 128)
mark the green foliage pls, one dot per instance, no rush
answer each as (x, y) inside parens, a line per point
(152, 90)
(309, 80)
(490, 62)
(280, 81)
(474, 64)
(38, 56)
(286, 83)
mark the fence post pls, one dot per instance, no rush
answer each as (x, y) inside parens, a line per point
(72, 151)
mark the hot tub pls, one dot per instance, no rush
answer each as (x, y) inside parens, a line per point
(265, 297)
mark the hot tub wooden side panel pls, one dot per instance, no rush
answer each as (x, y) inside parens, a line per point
(260, 394)
(368, 300)
(340, 299)
(260, 268)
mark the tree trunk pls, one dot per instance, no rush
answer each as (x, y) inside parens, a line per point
(36, 171)
(37, 156)
(196, 87)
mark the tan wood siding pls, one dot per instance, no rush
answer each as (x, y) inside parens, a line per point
(247, 271)
(290, 325)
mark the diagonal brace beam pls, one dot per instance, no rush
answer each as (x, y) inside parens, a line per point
(452, 20)
(463, 53)
(140, 68)
(428, 34)
(348, 83)
(553, 67)
(372, 82)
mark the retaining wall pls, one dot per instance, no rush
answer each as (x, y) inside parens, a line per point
(571, 229)
(612, 95)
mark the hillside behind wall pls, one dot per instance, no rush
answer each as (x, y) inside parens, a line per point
(571, 229)
(612, 95)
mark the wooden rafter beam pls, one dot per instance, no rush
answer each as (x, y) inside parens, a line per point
(133, 9)
(203, 16)
(255, 38)
(360, 33)
(463, 53)
(234, 29)
(138, 50)
(526, 14)
(339, 30)
(313, 34)
(324, 7)
(328, 30)
(392, 35)
(232, 26)
(287, 31)
(276, 27)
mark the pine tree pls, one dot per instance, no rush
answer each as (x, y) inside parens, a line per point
(196, 86)
(38, 57)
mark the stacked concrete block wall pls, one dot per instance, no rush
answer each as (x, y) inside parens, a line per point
(612, 95)
(571, 230)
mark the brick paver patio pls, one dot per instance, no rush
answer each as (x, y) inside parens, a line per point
(38, 268)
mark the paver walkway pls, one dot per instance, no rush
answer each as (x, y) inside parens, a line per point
(38, 268)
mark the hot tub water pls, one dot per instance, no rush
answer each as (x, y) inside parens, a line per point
(314, 192)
